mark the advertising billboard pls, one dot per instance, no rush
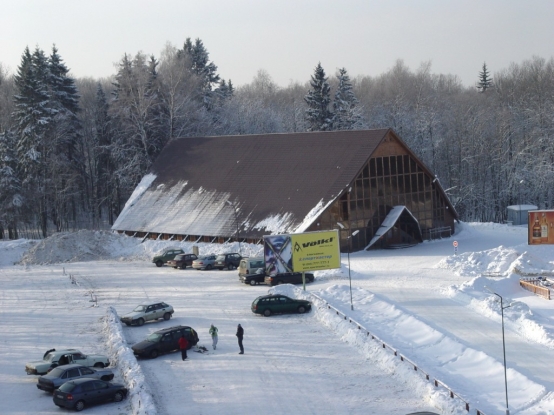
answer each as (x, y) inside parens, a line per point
(541, 227)
(298, 252)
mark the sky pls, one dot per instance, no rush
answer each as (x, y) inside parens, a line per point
(286, 38)
(432, 305)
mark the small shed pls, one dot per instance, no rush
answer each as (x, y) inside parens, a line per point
(517, 214)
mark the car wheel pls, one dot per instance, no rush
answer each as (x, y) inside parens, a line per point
(140, 322)
(230, 267)
(252, 282)
(167, 316)
(183, 266)
(127, 324)
(159, 263)
(99, 364)
(79, 406)
(118, 397)
(279, 282)
(267, 312)
(301, 309)
(154, 354)
(209, 267)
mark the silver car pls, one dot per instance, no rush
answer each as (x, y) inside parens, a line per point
(61, 374)
(204, 262)
(147, 312)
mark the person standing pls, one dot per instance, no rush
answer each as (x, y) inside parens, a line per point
(240, 334)
(183, 345)
(213, 333)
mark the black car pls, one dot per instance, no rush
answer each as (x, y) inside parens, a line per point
(164, 341)
(278, 303)
(288, 278)
(229, 261)
(253, 279)
(79, 393)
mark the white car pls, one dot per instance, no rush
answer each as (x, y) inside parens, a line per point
(54, 358)
(147, 312)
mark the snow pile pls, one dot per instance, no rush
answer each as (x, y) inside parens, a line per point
(444, 358)
(12, 251)
(123, 358)
(86, 245)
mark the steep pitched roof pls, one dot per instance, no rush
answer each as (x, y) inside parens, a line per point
(277, 182)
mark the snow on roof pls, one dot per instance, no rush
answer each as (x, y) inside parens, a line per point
(389, 222)
(522, 207)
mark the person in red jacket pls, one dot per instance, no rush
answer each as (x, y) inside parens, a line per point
(183, 345)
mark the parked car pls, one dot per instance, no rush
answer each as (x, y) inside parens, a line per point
(229, 261)
(147, 312)
(61, 374)
(204, 262)
(278, 303)
(253, 279)
(166, 255)
(54, 358)
(288, 278)
(253, 265)
(80, 393)
(164, 341)
(182, 261)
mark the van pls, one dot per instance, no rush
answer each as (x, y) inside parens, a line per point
(254, 265)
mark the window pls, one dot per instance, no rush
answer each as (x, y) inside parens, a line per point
(72, 373)
(86, 371)
(86, 387)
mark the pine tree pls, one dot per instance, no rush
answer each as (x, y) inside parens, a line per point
(346, 110)
(485, 81)
(10, 186)
(318, 115)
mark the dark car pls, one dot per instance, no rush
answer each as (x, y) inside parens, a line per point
(61, 374)
(229, 261)
(164, 341)
(278, 303)
(253, 279)
(288, 278)
(182, 261)
(166, 255)
(79, 393)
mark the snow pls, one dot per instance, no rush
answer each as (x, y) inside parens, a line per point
(427, 307)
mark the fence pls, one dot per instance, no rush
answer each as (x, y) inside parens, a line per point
(436, 382)
(535, 286)
(437, 233)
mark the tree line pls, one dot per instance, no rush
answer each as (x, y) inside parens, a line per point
(73, 150)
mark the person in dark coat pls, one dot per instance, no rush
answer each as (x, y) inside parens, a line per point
(183, 345)
(240, 334)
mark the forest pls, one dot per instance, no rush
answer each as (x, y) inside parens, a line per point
(73, 150)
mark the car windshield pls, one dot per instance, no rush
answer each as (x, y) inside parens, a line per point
(49, 357)
(220, 258)
(154, 337)
(140, 308)
(56, 372)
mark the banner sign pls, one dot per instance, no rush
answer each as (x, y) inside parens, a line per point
(298, 252)
(541, 227)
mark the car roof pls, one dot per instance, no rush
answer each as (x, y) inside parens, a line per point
(70, 366)
(275, 295)
(168, 329)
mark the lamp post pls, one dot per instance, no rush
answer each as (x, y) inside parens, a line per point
(236, 221)
(349, 238)
(503, 346)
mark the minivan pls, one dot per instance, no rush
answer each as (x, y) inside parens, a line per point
(254, 265)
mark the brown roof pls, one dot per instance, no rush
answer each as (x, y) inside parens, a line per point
(278, 182)
(275, 180)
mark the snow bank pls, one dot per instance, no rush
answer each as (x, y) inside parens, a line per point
(123, 358)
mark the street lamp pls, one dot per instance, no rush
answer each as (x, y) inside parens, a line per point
(503, 345)
(349, 239)
(236, 221)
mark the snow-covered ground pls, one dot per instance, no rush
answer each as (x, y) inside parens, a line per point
(426, 307)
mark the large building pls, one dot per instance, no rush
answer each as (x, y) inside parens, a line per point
(216, 189)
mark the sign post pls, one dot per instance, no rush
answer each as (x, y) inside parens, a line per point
(455, 244)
